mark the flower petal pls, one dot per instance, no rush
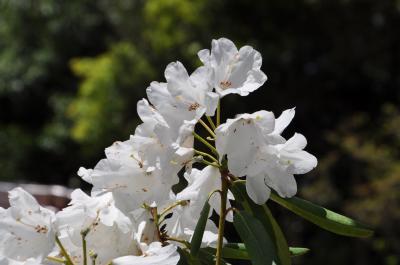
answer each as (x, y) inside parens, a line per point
(257, 189)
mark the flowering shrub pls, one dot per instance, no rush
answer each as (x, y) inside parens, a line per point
(132, 215)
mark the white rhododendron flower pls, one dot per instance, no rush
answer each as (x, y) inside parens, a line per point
(233, 71)
(136, 214)
(201, 183)
(143, 169)
(158, 146)
(183, 97)
(241, 139)
(109, 232)
(186, 213)
(147, 237)
(27, 230)
(255, 149)
(124, 174)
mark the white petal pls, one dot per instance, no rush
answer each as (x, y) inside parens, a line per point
(257, 189)
(85, 174)
(223, 50)
(240, 139)
(156, 255)
(295, 143)
(283, 120)
(177, 77)
(282, 182)
(299, 162)
(294, 158)
(204, 56)
(211, 103)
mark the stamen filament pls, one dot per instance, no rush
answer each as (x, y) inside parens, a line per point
(55, 259)
(172, 206)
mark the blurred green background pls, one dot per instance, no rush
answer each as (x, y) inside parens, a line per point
(72, 71)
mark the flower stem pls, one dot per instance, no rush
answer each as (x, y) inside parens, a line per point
(210, 121)
(64, 252)
(219, 113)
(201, 139)
(207, 128)
(154, 213)
(208, 163)
(207, 155)
(84, 248)
(221, 223)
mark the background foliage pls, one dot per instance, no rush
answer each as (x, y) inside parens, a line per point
(72, 71)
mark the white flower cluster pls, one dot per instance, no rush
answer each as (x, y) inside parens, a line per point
(132, 215)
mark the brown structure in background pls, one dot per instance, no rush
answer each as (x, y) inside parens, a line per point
(50, 196)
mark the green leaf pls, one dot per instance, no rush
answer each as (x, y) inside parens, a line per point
(231, 251)
(264, 215)
(235, 251)
(324, 218)
(297, 251)
(238, 251)
(199, 230)
(208, 257)
(187, 259)
(258, 243)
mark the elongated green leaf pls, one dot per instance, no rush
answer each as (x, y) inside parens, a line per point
(296, 251)
(231, 251)
(238, 251)
(235, 251)
(258, 243)
(199, 230)
(324, 218)
(262, 213)
(207, 257)
(187, 259)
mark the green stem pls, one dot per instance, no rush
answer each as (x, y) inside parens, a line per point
(84, 249)
(207, 155)
(201, 139)
(221, 223)
(232, 176)
(219, 113)
(64, 252)
(210, 121)
(211, 132)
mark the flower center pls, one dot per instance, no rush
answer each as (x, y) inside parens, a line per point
(194, 106)
(225, 84)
